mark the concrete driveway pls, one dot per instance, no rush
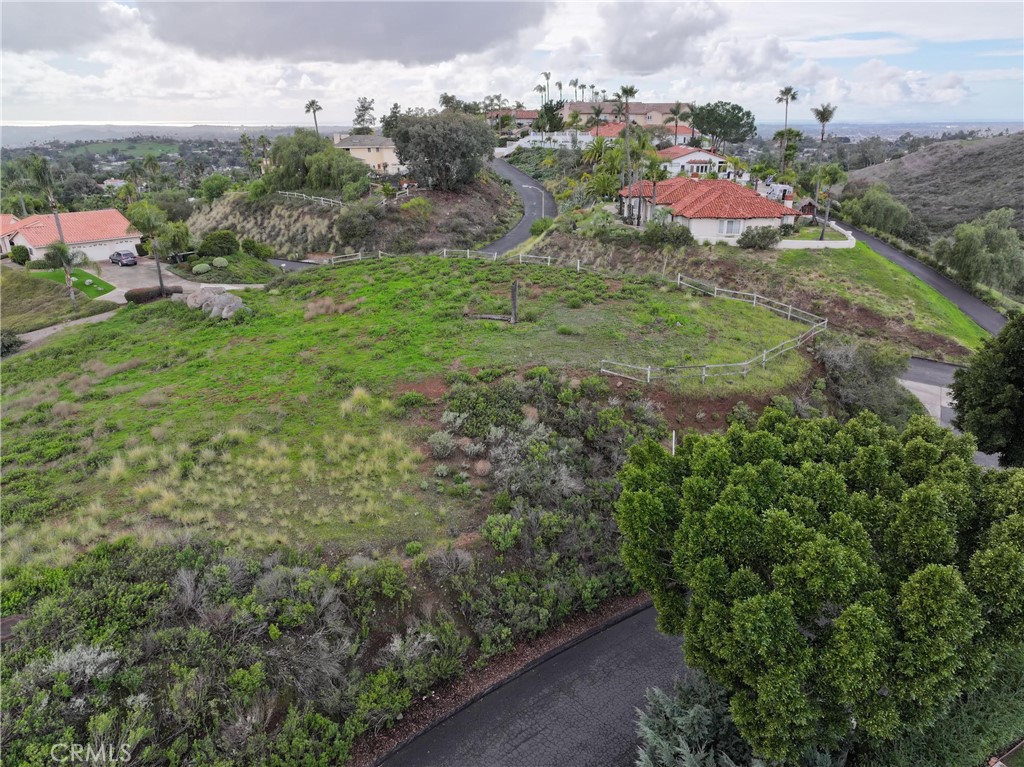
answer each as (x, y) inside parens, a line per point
(143, 275)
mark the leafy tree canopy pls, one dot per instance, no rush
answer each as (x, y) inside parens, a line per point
(723, 122)
(989, 395)
(842, 582)
(214, 186)
(364, 120)
(988, 250)
(443, 151)
(288, 159)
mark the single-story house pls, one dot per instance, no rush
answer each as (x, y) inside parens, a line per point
(715, 210)
(691, 160)
(376, 151)
(97, 233)
(523, 117)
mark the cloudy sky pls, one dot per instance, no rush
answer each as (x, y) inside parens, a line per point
(259, 62)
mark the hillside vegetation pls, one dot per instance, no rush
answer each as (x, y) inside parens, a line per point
(478, 215)
(28, 302)
(950, 182)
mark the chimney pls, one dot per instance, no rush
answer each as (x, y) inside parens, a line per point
(787, 199)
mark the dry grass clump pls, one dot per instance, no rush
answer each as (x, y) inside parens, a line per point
(65, 410)
(327, 305)
(155, 397)
(102, 370)
(116, 470)
(158, 433)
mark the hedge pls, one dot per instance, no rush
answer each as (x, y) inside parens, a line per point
(145, 295)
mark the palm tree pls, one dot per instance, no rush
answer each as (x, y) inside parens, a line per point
(625, 93)
(134, 172)
(738, 165)
(574, 83)
(594, 153)
(593, 91)
(573, 123)
(595, 117)
(604, 95)
(828, 176)
(59, 256)
(148, 219)
(558, 84)
(677, 114)
(547, 86)
(312, 107)
(151, 166)
(540, 89)
(786, 95)
(823, 115)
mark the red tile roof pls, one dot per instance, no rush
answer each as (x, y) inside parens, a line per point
(79, 228)
(683, 130)
(675, 152)
(608, 130)
(8, 223)
(518, 114)
(710, 198)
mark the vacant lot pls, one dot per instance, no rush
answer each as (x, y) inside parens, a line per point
(290, 426)
(28, 303)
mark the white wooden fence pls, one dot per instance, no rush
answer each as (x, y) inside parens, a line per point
(648, 373)
(329, 202)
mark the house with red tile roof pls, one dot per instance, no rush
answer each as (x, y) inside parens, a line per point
(715, 210)
(643, 113)
(691, 160)
(524, 117)
(97, 233)
(608, 130)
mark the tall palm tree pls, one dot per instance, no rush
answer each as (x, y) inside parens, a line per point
(573, 123)
(540, 89)
(786, 95)
(41, 175)
(604, 95)
(312, 107)
(625, 93)
(148, 219)
(677, 114)
(134, 172)
(828, 176)
(574, 83)
(823, 115)
(593, 91)
(558, 84)
(547, 86)
(59, 256)
(596, 113)
(151, 166)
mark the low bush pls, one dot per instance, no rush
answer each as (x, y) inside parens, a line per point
(220, 243)
(657, 234)
(19, 255)
(202, 268)
(410, 400)
(257, 249)
(39, 265)
(760, 237)
(10, 342)
(541, 225)
(145, 295)
(442, 444)
(218, 263)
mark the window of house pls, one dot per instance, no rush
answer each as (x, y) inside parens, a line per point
(728, 226)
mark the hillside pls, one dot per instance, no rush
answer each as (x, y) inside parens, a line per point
(28, 302)
(950, 182)
(476, 217)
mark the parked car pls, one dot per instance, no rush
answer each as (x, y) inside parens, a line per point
(123, 258)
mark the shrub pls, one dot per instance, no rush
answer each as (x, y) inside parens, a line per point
(502, 531)
(19, 255)
(541, 225)
(220, 243)
(10, 342)
(419, 208)
(442, 444)
(218, 263)
(787, 230)
(145, 295)
(40, 265)
(760, 237)
(412, 548)
(256, 249)
(656, 234)
(201, 268)
(410, 400)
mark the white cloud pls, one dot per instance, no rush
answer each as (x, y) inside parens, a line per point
(845, 47)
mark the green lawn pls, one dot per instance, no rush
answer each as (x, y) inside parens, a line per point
(27, 303)
(98, 289)
(814, 232)
(1016, 759)
(160, 420)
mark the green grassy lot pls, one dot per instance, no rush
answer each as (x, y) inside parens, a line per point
(865, 278)
(241, 269)
(27, 303)
(814, 232)
(136, 149)
(98, 289)
(283, 427)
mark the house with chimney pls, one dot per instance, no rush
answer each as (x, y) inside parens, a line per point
(378, 152)
(692, 161)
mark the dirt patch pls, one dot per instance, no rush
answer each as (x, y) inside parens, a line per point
(432, 388)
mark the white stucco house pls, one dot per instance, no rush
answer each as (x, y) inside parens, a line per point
(690, 160)
(715, 210)
(97, 233)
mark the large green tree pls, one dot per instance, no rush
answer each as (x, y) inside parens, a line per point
(989, 394)
(723, 123)
(443, 151)
(364, 120)
(987, 250)
(843, 582)
(288, 156)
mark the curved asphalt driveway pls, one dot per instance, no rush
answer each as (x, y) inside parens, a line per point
(531, 191)
(576, 709)
(973, 307)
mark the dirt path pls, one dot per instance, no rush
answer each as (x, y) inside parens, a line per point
(34, 338)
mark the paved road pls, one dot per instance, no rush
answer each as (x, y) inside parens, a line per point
(973, 307)
(574, 710)
(531, 204)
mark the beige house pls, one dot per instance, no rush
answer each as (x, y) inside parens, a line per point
(376, 151)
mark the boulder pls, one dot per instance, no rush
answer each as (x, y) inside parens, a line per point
(215, 302)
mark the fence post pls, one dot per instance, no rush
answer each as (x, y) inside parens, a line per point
(520, 258)
(679, 280)
(673, 442)
(467, 252)
(444, 253)
(746, 367)
(755, 299)
(789, 314)
(716, 291)
(577, 266)
(549, 260)
(764, 359)
(703, 373)
(648, 374)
